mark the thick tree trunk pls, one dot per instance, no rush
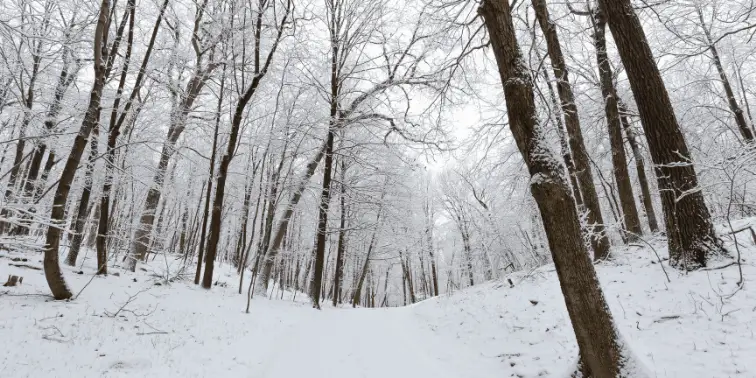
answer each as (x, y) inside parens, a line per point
(599, 240)
(688, 222)
(594, 327)
(565, 146)
(51, 265)
(611, 108)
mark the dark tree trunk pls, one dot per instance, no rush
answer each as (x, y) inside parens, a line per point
(688, 222)
(51, 265)
(593, 325)
(341, 247)
(599, 241)
(115, 130)
(261, 69)
(210, 179)
(611, 108)
(84, 207)
(640, 167)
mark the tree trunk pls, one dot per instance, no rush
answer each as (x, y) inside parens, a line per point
(283, 224)
(565, 147)
(51, 266)
(596, 334)
(115, 130)
(640, 167)
(84, 207)
(599, 239)
(366, 265)
(341, 247)
(18, 159)
(737, 111)
(688, 222)
(429, 239)
(619, 159)
(210, 179)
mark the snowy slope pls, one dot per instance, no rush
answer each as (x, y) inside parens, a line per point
(691, 327)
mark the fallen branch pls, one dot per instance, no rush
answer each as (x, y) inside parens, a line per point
(26, 266)
(720, 267)
(152, 333)
(666, 318)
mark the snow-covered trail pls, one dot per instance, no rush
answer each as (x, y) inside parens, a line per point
(135, 325)
(379, 343)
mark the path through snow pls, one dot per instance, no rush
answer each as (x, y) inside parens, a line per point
(369, 344)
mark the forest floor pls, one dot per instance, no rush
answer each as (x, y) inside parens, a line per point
(138, 325)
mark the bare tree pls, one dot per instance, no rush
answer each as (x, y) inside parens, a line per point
(599, 240)
(601, 351)
(688, 222)
(51, 266)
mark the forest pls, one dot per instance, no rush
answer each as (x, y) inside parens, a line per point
(256, 174)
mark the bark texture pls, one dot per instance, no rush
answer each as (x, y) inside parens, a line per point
(631, 220)
(591, 320)
(599, 239)
(57, 215)
(688, 223)
(640, 168)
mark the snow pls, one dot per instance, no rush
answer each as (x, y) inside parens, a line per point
(698, 325)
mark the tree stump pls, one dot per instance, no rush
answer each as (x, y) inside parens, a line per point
(13, 281)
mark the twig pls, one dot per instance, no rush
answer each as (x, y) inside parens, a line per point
(152, 333)
(656, 253)
(719, 267)
(132, 298)
(90, 281)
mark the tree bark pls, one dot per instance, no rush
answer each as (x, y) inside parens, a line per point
(341, 247)
(261, 69)
(688, 223)
(84, 207)
(115, 129)
(611, 108)
(592, 322)
(599, 239)
(210, 179)
(51, 265)
(640, 167)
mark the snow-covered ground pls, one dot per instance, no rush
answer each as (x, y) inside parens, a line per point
(697, 325)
